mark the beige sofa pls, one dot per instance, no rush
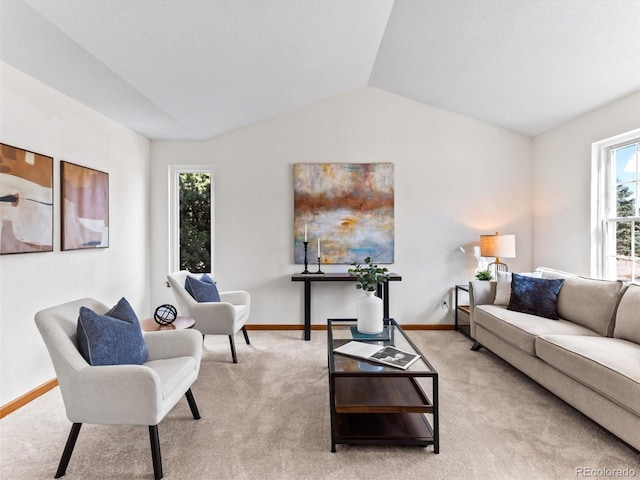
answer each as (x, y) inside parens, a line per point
(590, 357)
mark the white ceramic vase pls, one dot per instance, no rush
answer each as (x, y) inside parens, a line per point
(370, 314)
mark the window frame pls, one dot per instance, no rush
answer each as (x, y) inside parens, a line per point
(604, 201)
(174, 212)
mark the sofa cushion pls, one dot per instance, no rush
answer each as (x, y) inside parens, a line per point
(590, 303)
(537, 296)
(203, 289)
(521, 329)
(114, 338)
(627, 324)
(609, 366)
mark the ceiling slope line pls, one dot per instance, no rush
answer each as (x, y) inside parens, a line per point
(384, 33)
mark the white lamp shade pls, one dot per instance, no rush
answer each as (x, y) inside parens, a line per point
(498, 246)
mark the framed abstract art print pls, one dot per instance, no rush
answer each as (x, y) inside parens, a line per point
(85, 207)
(26, 201)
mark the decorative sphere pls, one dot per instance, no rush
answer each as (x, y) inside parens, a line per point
(165, 314)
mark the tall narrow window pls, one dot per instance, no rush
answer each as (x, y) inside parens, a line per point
(192, 219)
(619, 210)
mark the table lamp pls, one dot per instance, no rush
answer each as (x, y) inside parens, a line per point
(498, 246)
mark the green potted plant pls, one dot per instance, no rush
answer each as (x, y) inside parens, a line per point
(484, 275)
(368, 277)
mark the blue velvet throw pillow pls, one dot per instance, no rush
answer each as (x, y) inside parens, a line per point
(114, 338)
(203, 289)
(537, 296)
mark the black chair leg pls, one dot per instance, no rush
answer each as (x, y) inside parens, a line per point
(155, 452)
(246, 335)
(68, 450)
(192, 405)
(233, 349)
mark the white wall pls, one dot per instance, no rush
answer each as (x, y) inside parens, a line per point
(455, 178)
(562, 184)
(35, 117)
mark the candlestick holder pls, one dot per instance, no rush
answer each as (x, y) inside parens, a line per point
(319, 271)
(306, 262)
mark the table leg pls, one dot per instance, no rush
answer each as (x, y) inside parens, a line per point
(332, 410)
(436, 415)
(455, 315)
(385, 299)
(307, 310)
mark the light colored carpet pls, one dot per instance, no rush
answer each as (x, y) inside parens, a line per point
(267, 417)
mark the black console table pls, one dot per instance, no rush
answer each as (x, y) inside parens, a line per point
(383, 292)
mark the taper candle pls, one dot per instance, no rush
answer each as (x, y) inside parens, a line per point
(305, 232)
(318, 247)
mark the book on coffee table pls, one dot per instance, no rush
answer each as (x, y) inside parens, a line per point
(388, 355)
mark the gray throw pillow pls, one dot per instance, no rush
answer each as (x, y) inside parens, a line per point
(203, 289)
(114, 338)
(537, 296)
(503, 288)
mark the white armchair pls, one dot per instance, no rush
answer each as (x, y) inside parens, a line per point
(119, 394)
(213, 318)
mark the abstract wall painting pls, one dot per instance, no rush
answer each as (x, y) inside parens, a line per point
(85, 207)
(349, 207)
(26, 201)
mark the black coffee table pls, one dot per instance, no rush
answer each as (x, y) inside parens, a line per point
(376, 404)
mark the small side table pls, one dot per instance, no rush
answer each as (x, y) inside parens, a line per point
(180, 323)
(462, 312)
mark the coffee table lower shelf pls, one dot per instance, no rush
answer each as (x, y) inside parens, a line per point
(382, 429)
(380, 411)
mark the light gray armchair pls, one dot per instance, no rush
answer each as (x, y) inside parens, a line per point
(119, 394)
(226, 317)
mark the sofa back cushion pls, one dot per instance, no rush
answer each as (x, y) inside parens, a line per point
(551, 273)
(590, 302)
(628, 315)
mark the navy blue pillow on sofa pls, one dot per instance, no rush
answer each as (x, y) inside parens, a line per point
(114, 338)
(202, 290)
(538, 296)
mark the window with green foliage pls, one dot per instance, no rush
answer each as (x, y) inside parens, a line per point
(192, 226)
(619, 210)
(195, 222)
(625, 220)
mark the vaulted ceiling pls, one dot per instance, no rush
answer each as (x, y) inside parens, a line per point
(195, 69)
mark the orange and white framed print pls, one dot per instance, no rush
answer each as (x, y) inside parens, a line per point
(26, 201)
(85, 207)
(345, 211)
